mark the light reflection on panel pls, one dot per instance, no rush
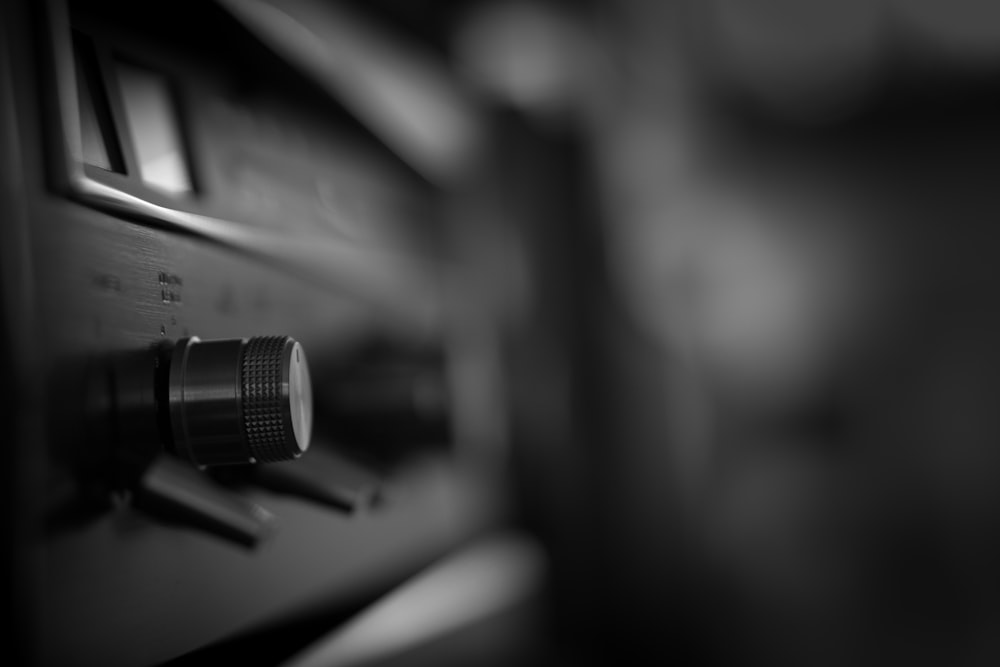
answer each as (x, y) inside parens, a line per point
(155, 133)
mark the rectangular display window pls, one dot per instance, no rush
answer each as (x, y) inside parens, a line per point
(153, 127)
(99, 141)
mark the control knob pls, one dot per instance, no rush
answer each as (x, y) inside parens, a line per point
(239, 400)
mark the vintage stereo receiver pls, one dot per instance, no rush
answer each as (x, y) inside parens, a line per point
(228, 348)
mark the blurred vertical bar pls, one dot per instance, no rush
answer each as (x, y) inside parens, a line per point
(20, 409)
(585, 407)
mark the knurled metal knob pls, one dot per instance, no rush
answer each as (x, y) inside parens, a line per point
(239, 400)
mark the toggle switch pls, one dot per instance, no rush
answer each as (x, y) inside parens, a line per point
(177, 493)
(240, 400)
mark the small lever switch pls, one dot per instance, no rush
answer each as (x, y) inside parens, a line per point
(176, 492)
(239, 400)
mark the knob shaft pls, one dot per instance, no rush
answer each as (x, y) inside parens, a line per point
(240, 400)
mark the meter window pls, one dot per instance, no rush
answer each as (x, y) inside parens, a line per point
(152, 120)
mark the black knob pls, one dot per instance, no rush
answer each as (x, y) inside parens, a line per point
(240, 400)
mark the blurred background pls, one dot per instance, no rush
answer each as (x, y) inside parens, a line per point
(642, 328)
(772, 323)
